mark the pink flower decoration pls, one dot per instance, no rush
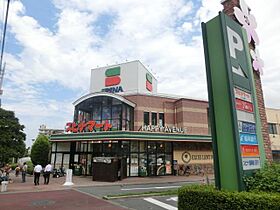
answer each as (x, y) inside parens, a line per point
(257, 61)
(247, 21)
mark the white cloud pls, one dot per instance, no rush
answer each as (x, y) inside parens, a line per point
(159, 33)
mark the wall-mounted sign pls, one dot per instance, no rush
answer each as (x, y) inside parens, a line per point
(89, 126)
(112, 79)
(158, 128)
(149, 82)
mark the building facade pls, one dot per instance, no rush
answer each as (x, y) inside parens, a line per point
(273, 119)
(123, 116)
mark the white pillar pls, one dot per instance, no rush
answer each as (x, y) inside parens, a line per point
(4, 185)
(68, 181)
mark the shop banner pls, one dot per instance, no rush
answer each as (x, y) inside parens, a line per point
(247, 127)
(250, 151)
(251, 163)
(244, 105)
(242, 95)
(246, 138)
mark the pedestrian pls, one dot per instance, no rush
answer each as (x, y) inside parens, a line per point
(47, 172)
(23, 172)
(17, 170)
(37, 172)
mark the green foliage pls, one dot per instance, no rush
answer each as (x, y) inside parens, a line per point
(30, 167)
(266, 179)
(40, 151)
(207, 197)
(13, 166)
(11, 137)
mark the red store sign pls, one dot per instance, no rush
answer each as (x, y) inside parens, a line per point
(87, 126)
(244, 105)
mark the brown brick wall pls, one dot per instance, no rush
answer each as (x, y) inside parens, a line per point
(190, 114)
(228, 9)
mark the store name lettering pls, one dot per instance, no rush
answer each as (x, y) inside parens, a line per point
(113, 89)
(87, 126)
(166, 129)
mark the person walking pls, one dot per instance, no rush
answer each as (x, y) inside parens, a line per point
(37, 172)
(23, 172)
(47, 172)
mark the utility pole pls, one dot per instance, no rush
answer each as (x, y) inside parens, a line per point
(2, 69)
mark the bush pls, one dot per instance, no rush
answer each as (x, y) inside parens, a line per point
(30, 167)
(40, 151)
(207, 197)
(13, 165)
(266, 179)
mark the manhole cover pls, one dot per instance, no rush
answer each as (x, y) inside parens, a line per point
(43, 203)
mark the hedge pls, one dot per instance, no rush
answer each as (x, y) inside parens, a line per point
(207, 197)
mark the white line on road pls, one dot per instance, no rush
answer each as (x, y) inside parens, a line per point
(172, 199)
(161, 204)
(148, 188)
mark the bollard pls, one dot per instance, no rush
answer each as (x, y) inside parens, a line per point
(4, 185)
(68, 181)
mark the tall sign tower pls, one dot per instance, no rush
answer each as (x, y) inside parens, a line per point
(237, 132)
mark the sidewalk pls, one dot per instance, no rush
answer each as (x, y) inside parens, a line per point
(79, 181)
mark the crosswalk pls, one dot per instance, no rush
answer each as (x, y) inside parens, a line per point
(169, 205)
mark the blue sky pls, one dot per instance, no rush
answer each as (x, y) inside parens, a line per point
(51, 46)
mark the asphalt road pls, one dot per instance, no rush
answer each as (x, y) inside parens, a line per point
(139, 203)
(101, 191)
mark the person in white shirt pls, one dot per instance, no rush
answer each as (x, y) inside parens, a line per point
(47, 172)
(37, 172)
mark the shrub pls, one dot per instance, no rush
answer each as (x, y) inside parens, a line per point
(30, 167)
(266, 179)
(207, 197)
(13, 166)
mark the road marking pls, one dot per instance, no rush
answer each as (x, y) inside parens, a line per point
(148, 188)
(161, 204)
(172, 199)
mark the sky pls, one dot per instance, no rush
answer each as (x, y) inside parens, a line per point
(51, 46)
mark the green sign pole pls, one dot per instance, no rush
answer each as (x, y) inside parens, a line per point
(232, 104)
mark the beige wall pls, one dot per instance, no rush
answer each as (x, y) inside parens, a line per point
(273, 116)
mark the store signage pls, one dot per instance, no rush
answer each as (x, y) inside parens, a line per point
(112, 79)
(158, 128)
(229, 73)
(250, 151)
(89, 126)
(149, 82)
(246, 138)
(245, 116)
(251, 163)
(247, 127)
(244, 105)
(242, 95)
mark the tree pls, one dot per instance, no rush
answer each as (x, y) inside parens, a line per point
(11, 137)
(40, 151)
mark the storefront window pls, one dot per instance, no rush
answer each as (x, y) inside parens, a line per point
(146, 118)
(143, 145)
(105, 108)
(134, 146)
(154, 118)
(161, 119)
(134, 165)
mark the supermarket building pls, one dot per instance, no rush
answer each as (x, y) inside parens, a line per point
(124, 117)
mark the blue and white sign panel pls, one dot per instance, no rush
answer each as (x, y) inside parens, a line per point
(247, 127)
(249, 139)
(251, 163)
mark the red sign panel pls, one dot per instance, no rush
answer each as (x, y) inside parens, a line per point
(110, 81)
(87, 126)
(250, 151)
(244, 105)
